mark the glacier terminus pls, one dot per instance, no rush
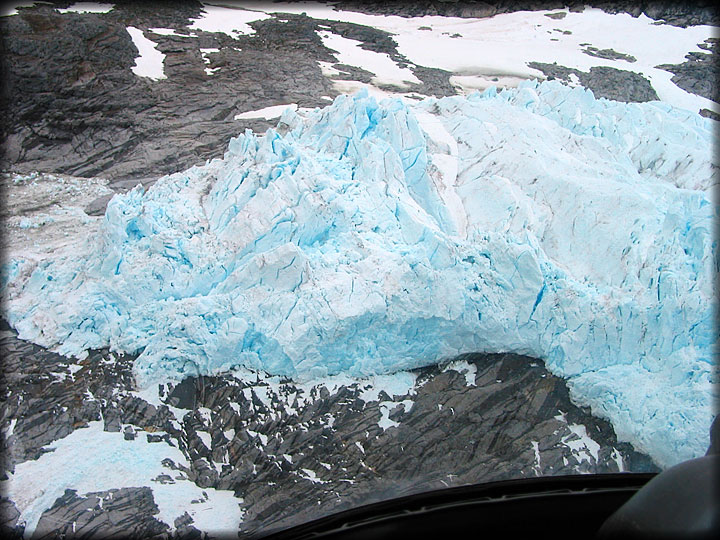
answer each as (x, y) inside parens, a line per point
(372, 237)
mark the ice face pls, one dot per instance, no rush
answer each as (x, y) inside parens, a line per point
(368, 238)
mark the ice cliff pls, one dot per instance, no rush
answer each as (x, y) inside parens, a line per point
(374, 237)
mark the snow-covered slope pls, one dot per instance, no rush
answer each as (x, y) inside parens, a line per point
(376, 237)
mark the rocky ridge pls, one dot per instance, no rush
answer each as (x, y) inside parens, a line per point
(699, 73)
(606, 82)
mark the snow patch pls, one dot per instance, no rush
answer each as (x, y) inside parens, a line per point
(386, 407)
(227, 20)
(385, 70)
(88, 7)
(617, 457)
(580, 443)
(495, 51)
(91, 459)
(150, 61)
(464, 367)
(312, 476)
(263, 438)
(267, 113)
(204, 53)
(536, 467)
(394, 385)
(206, 438)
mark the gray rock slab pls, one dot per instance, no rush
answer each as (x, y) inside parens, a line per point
(699, 73)
(116, 513)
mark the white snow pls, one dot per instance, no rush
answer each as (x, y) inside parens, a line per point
(617, 457)
(312, 476)
(396, 384)
(166, 32)
(386, 407)
(206, 438)
(149, 63)
(536, 466)
(263, 438)
(235, 407)
(274, 111)
(261, 392)
(152, 396)
(587, 442)
(349, 51)
(232, 21)
(90, 460)
(88, 7)
(11, 428)
(490, 51)
(464, 367)
(580, 443)
(204, 53)
(206, 414)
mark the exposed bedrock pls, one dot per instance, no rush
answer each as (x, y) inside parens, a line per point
(699, 73)
(605, 82)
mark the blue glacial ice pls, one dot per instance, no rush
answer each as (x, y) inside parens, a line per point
(368, 238)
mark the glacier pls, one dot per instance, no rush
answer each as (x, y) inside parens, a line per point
(372, 237)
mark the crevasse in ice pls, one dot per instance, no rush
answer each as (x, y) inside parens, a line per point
(374, 237)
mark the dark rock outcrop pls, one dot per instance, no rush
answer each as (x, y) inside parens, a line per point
(117, 513)
(608, 54)
(9, 515)
(605, 82)
(74, 105)
(699, 73)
